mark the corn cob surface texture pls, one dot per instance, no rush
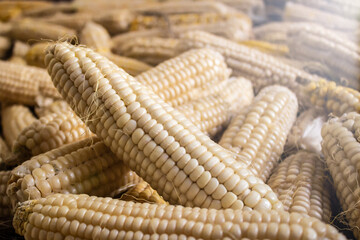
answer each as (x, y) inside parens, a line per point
(340, 147)
(5, 209)
(153, 139)
(258, 133)
(86, 166)
(301, 184)
(48, 132)
(81, 216)
(174, 79)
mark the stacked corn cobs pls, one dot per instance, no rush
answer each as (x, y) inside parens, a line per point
(180, 119)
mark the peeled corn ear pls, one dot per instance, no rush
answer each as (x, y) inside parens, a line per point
(48, 132)
(22, 84)
(96, 37)
(86, 166)
(29, 30)
(258, 133)
(301, 184)
(152, 50)
(341, 149)
(174, 79)
(157, 142)
(81, 216)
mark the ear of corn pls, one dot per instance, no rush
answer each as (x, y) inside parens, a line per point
(215, 110)
(85, 166)
(299, 13)
(258, 133)
(262, 69)
(157, 142)
(12, 9)
(74, 21)
(332, 98)
(340, 147)
(81, 216)
(14, 119)
(174, 79)
(306, 132)
(30, 30)
(36, 54)
(235, 25)
(316, 43)
(22, 84)
(95, 37)
(5, 209)
(143, 193)
(132, 66)
(115, 21)
(49, 132)
(301, 184)
(152, 50)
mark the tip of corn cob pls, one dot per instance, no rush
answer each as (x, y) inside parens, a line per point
(21, 215)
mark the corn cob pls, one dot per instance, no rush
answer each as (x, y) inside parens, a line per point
(22, 84)
(299, 13)
(340, 148)
(5, 207)
(157, 142)
(262, 69)
(74, 21)
(36, 54)
(345, 8)
(172, 80)
(333, 99)
(258, 133)
(15, 119)
(142, 192)
(58, 107)
(306, 132)
(301, 184)
(47, 133)
(115, 21)
(316, 43)
(4, 150)
(152, 50)
(81, 216)
(132, 66)
(266, 47)
(31, 30)
(215, 110)
(96, 37)
(124, 38)
(85, 166)
(5, 45)
(177, 23)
